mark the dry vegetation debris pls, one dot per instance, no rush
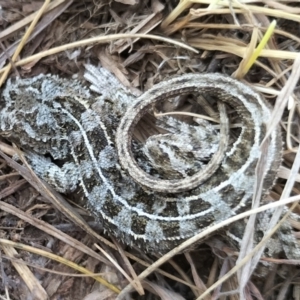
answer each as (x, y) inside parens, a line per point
(41, 248)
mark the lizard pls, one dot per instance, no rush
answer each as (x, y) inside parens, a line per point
(79, 137)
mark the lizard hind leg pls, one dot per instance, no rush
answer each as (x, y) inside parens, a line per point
(63, 179)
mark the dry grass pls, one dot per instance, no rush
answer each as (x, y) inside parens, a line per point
(44, 256)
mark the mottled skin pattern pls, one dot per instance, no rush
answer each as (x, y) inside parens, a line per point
(88, 135)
